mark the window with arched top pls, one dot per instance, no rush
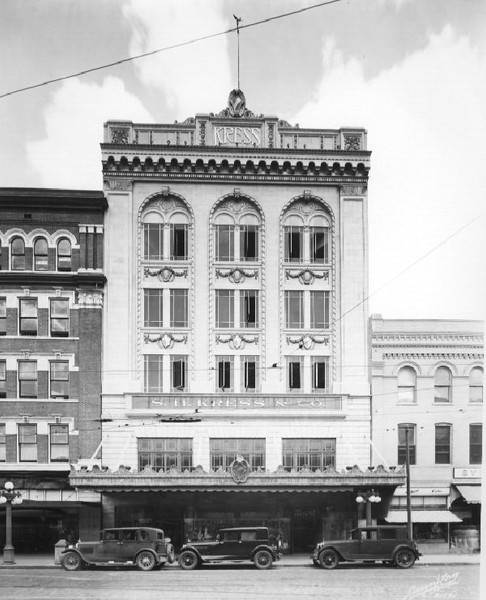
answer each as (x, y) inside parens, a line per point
(319, 240)
(442, 385)
(41, 255)
(306, 234)
(179, 235)
(293, 239)
(476, 377)
(237, 232)
(17, 251)
(64, 255)
(407, 385)
(153, 236)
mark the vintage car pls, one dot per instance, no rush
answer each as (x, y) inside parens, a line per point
(235, 544)
(386, 543)
(145, 547)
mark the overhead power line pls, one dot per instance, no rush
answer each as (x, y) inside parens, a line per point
(172, 47)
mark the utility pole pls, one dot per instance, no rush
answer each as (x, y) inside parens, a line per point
(409, 506)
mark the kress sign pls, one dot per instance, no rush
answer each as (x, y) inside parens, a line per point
(241, 136)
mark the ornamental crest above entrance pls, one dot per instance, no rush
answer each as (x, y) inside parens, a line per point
(239, 469)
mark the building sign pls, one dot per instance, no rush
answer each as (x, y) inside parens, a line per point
(227, 402)
(237, 136)
(467, 473)
(420, 491)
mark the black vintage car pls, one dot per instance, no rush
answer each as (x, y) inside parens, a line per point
(236, 544)
(385, 543)
(144, 547)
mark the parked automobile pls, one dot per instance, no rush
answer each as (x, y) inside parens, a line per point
(145, 547)
(386, 543)
(235, 544)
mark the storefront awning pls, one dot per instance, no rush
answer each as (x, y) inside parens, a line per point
(470, 493)
(423, 516)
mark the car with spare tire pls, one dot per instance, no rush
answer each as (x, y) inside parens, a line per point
(234, 545)
(146, 548)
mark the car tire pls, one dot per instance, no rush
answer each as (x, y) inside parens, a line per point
(263, 559)
(188, 560)
(145, 561)
(171, 554)
(404, 558)
(329, 559)
(71, 561)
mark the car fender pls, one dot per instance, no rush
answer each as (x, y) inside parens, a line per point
(406, 547)
(73, 549)
(151, 550)
(339, 553)
(192, 549)
(264, 547)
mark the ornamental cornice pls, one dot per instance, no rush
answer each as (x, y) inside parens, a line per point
(426, 337)
(433, 355)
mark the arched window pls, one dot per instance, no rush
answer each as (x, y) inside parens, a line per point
(153, 236)
(293, 239)
(443, 385)
(407, 385)
(476, 385)
(18, 254)
(179, 230)
(224, 238)
(64, 255)
(40, 255)
(319, 241)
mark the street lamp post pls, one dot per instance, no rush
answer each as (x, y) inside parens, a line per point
(409, 505)
(368, 498)
(9, 496)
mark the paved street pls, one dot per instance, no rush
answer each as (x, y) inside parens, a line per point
(246, 583)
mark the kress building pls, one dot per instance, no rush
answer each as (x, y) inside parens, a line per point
(236, 385)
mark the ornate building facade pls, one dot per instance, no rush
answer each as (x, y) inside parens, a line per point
(427, 377)
(51, 299)
(235, 381)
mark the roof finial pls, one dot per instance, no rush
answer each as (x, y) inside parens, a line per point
(238, 19)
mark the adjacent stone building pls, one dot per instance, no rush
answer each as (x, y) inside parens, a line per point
(51, 299)
(235, 355)
(427, 377)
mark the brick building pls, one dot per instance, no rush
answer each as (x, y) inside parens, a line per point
(234, 389)
(51, 297)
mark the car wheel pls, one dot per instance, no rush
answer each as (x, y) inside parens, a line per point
(188, 560)
(145, 561)
(315, 561)
(328, 559)
(71, 561)
(404, 558)
(263, 559)
(171, 554)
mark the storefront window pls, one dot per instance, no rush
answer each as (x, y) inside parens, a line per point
(225, 450)
(313, 453)
(163, 454)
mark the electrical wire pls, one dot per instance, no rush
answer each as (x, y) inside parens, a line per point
(172, 47)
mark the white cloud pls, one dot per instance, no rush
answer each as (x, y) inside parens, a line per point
(193, 78)
(427, 128)
(69, 155)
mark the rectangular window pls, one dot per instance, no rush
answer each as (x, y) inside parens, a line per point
(163, 454)
(294, 310)
(59, 443)
(28, 443)
(59, 318)
(27, 379)
(319, 245)
(294, 244)
(178, 241)
(225, 242)
(224, 451)
(3, 316)
(153, 241)
(178, 370)
(442, 444)
(294, 382)
(249, 373)
(28, 316)
(225, 373)
(3, 378)
(153, 308)
(319, 316)
(225, 309)
(3, 443)
(153, 369)
(179, 308)
(308, 453)
(475, 444)
(249, 242)
(59, 379)
(320, 368)
(249, 304)
(402, 444)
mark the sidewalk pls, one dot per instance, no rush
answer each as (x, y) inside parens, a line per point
(46, 561)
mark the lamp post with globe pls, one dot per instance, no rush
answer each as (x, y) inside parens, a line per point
(9, 496)
(368, 498)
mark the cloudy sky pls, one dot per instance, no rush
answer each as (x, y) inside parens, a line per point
(412, 72)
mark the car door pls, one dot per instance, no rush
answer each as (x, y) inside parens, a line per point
(107, 550)
(351, 547)
(248, 541)
(370, 545)
(127, 545)
(230, 546)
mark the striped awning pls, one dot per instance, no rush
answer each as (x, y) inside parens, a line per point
(423, 516)
(470, 493)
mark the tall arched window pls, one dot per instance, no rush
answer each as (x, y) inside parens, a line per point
(407, 385)
(40, 255)
(64, 255)
(319, 240)
(179, 236)
(443, 385)
(18, 254)
(476, 384)
(153, 236)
